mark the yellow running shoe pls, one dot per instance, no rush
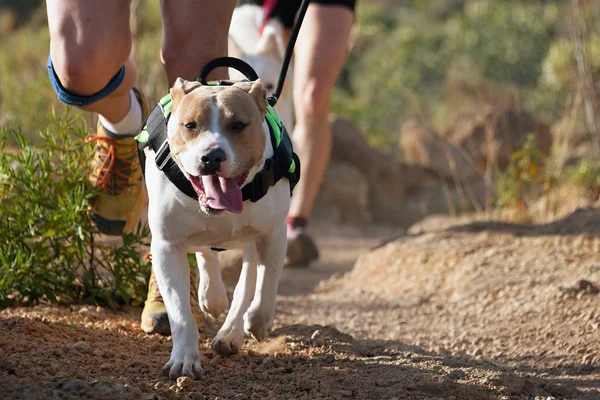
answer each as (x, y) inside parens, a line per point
(116, 170)
(154, 315)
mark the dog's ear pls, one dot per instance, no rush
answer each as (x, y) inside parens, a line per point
(257, 91)
(271, 41)
(180, 89)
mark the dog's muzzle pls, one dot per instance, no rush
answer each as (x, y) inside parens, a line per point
(210, 163)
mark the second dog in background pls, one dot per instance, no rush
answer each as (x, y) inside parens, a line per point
(262, 45)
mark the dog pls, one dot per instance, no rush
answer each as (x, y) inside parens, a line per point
(220, 141)
(264, 51)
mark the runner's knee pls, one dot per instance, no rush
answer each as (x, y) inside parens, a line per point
(86, 68)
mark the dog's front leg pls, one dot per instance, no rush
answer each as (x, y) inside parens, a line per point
(212, 295)
(231, 335)
(172, 272)
(271, 251)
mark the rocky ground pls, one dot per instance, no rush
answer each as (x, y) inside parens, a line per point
(452, 309)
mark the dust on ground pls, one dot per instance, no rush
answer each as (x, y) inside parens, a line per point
(452, 309)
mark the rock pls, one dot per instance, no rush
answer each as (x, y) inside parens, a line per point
(316, 334)
(82, 347)
(423, 146)
(184, 381)
(345, 189)
(228, 394)
(493, 134)
(388, 179)
(329, 358)
(582, 286)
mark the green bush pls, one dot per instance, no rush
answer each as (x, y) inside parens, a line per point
(523, 180)
(48, 248)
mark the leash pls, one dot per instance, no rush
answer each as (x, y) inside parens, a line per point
(289, 51)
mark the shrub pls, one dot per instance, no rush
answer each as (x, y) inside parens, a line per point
(48, 248)
(523, 180)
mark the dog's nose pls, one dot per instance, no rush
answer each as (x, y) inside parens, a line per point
(211, 161)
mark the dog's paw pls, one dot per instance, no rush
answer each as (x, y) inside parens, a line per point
(213, 300)
(189, 366)
(257, 325)
(228, 341)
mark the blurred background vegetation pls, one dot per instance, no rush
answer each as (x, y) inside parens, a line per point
(408, 58)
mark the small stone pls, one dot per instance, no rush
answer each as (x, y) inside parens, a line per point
(184, 381)
(329, 359)
(316, 334)
(105, 366)
(228, 394)
(107, 354)
(217, 360)
(268, 361)
(97, 353)
(197, 396)
(587, 359)
(82, 347)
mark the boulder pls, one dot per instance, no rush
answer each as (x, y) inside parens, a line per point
(423, 146)
(388, 179)
(492, 134)
(345, 191)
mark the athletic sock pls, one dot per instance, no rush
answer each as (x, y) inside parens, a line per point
(129, 125)
(297, 222)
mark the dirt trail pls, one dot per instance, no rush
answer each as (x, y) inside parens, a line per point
(454, 310)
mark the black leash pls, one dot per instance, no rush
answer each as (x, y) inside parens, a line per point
(289, 51)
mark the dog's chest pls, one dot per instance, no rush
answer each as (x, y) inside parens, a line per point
(223, 238)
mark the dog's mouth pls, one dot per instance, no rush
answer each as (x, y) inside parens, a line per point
(216, 193)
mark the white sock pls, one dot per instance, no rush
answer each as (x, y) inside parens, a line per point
(130, 124)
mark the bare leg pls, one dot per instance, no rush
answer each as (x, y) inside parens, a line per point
(194, 32)
(89, 42)
(319, 54)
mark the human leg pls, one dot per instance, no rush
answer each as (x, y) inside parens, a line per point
(318, 62)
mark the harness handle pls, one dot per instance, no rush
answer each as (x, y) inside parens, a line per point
(288, 53)
(229, 62)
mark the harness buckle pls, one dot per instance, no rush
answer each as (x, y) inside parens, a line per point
(163, 155)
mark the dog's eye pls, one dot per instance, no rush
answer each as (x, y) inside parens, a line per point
(190, 125)
(238, 126)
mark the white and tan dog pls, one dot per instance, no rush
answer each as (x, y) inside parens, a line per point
(219, 139)
(264, 51)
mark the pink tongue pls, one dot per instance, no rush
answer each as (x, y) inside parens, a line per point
(222, 194)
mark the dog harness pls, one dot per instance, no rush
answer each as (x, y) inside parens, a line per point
(283, 164)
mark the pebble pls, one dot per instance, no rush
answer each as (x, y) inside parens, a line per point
(268, 361)
(228, 394)
(184, 381)
(82, 347)
(329, 359)
(316, 334)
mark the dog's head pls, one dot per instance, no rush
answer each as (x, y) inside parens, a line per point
(217, 138)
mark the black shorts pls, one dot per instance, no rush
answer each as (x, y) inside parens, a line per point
(285, 10)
